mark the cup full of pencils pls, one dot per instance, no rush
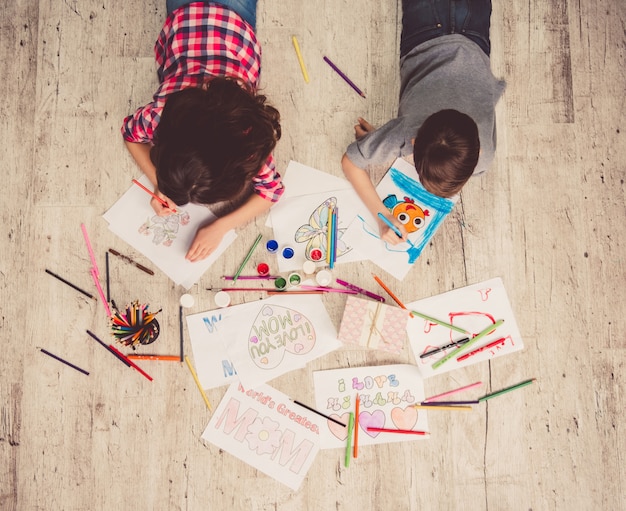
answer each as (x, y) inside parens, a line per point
(135, 325)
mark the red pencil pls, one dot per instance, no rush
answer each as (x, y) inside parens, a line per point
(132, 364)
(403, 431)
(164, 203)
(356, 427)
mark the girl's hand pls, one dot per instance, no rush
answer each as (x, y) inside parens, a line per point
(158, 206)
(207, 239)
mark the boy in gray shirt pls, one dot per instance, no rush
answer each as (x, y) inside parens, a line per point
(446, 117)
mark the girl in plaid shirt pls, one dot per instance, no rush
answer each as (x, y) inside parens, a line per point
(207, 135)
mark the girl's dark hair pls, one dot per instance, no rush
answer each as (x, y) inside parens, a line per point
(212, 140)
(446, 152)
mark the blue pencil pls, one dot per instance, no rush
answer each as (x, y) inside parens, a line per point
(333, 253)
(390, 225)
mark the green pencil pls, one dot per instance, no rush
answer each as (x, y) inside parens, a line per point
(349, 445)
(247, 258)
(504, 391)
(442, 323)
(463, 347)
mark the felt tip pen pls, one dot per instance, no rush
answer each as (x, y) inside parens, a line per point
(390, 225)
(481, 349)
(359, 290)
(454, 344)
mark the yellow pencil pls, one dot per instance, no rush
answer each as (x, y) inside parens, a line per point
(195, 377)
(443, 407)
(299, 55)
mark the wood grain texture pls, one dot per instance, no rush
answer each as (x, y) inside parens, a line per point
(548, 218)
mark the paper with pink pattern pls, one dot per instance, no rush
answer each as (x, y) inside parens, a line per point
(373, 325)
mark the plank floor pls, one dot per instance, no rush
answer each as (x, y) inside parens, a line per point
(548, 218)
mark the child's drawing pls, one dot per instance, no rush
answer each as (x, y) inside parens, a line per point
(163, 240)
(472, 308)
(315, 233)
(278, 330)
(386, 394)
(164, 228)
(411, 204)
(257, 341)
(263, 428)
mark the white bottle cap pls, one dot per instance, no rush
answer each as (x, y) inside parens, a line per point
(186, 301)
(222, 299)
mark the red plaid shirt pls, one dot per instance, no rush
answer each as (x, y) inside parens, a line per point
(200, 40)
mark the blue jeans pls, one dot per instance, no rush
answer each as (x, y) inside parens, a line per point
(245, 8)
(423, 20)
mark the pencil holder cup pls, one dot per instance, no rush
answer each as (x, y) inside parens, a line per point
(135, 326)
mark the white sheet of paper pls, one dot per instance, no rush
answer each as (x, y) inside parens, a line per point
(213, 366)
(401, 191)
(261, 340)
(300, 179)
(163, 240)
(387, 394)
(301, 222)
(472, 308)
(263, 428)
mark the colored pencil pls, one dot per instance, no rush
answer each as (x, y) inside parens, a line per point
(180, 331)
(360, 290)
(347, 80)
(394, 297)
(92, 256)
(240, 289)
(70, 284)
(198, 384)
(349, 444)
(442, 323)
(439, 407)
(106, 347)
(328, 289)
(131, 261)
(333, 254)
(390, 225)
(163, 202)
(300, 59)
(172, 358)
(103, 299)
(402, 431)
(482, 348)
(328, 417)
(64, 361)
(329, 237)
(507, 389)
(445, 347)
(463, 347)
(247, 258)
(287, 292)
(454, 391)
(449, 403)
(108, 279)
(356, 426)
(250, 277)
(132, 364)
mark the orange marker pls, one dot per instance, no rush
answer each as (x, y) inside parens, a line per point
(395, 298)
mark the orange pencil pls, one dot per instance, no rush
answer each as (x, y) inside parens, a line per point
(395, 298)
(356, 427)
(164, 203)
(175, 358)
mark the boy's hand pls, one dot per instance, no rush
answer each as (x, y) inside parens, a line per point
(388, 236)
(206, 241)
(362, 128)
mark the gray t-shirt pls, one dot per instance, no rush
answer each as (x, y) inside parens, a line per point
(447, 72)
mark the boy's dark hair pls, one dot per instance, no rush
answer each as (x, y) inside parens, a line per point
(212, 140)
(446, 152)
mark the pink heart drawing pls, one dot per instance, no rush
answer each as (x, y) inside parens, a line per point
(254, 339)
(339, 431)
(374, 420)
(404, 418)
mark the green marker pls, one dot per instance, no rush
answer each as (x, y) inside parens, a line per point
(442, 323)
(349, 446)
(504, 391)
(474, 340)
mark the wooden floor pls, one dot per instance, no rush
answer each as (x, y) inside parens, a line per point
(548, 218)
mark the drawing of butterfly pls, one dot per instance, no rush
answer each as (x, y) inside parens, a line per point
(315, 233)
